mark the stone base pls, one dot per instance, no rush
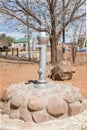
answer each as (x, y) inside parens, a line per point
(33, 103)
(78, 122)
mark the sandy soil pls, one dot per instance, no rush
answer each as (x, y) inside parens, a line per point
(15, 72)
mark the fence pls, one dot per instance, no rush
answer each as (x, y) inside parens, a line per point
(80, 56)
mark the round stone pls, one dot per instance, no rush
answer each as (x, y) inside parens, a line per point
(16, 101)
(41, 116)
(67, 96)
(77, 95)
(36, 103)
(1, 105)
(6, 108)
(84, 103)
(6, 95)
(24, 113)
(75, 108)
(57, 106)
(14, 114)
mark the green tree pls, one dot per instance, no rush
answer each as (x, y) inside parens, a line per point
(5, 40)
(9, 40)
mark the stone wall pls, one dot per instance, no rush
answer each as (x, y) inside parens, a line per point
(30, 102)
(78, 122)
(43, 107)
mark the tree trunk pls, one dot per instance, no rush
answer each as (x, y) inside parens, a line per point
(53, 39)
(53, 51)
(53, 42)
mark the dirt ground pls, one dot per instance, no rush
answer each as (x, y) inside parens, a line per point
(14, 72)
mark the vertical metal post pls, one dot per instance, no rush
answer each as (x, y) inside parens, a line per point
(17, 52)
(42, 65)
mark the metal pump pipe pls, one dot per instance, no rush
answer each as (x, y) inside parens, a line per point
(43, 39)
(42, 64)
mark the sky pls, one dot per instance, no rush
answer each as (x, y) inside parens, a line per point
(15, 34)
(11, 32)
(86, 18)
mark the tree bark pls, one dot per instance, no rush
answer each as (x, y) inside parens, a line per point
(53, 39)
(53, 42)
(53, 51)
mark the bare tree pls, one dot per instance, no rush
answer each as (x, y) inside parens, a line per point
(49, 12)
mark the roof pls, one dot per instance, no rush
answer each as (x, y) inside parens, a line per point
(21, 40)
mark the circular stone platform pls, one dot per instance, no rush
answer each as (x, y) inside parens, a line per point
(38, 103)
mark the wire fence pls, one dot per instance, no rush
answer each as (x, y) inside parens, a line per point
(79, 57)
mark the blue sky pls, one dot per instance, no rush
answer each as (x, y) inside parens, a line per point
(6, 28)
(15, 34)
(11, 32)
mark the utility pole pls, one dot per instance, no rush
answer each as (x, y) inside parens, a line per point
(28, 37)
(63, 40)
